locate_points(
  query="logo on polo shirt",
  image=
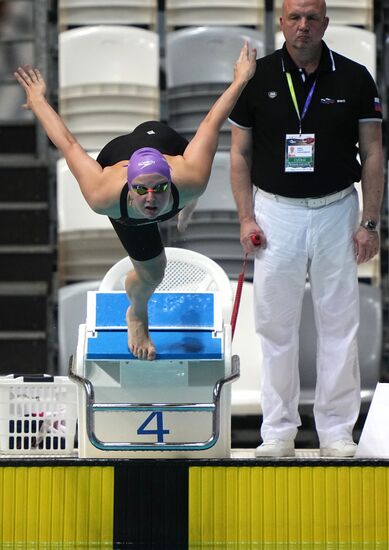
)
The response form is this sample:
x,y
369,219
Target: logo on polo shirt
x,y
377,105
331,101
272,94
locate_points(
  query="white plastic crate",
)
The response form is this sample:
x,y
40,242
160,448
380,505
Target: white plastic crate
x,y
38,414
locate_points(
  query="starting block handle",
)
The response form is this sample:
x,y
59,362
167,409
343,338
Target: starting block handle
x,y
213,408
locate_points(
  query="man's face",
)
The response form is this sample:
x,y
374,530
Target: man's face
x,y
303,23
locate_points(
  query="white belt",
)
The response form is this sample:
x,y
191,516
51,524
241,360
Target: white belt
x,y
310,202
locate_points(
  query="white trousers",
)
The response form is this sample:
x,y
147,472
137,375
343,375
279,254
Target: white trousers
x,y
317,242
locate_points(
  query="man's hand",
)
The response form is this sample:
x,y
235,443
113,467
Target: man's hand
x,y
247,230
366,244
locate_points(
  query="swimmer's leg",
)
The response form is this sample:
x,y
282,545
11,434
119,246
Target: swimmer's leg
x,y
140,285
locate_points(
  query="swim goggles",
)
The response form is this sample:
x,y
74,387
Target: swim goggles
x,y
143,189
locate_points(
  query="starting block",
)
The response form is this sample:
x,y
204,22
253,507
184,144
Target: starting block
x,y
177,406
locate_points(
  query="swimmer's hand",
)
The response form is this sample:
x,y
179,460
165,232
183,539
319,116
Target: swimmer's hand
x,y
33,84
185,216
245,65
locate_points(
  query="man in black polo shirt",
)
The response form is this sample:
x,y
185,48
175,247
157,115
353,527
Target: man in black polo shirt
x,y
295,135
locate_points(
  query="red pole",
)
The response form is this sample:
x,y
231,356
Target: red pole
x,y
256,240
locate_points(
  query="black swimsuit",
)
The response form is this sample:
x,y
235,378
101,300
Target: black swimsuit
x,y
141,237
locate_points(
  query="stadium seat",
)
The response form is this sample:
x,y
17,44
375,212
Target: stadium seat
x,y
97,12
345,12
113,87
193,87
214,229
87,242
357,44
71,313
181,13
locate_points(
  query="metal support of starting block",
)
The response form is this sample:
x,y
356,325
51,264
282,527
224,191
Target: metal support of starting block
x,y
192,367
214,408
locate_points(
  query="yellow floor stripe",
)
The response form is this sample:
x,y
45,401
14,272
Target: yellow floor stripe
x,y
281,507
49,505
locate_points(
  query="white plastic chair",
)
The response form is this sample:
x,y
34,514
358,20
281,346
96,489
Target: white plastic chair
x,y
351,12
357,44
214,229
193,87
218,195
87,242
344,12
72,308
181,13
97,12
186,271
109,81
74,213
212,52
17,48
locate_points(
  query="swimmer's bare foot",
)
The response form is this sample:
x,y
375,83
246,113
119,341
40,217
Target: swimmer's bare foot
x,y
139,341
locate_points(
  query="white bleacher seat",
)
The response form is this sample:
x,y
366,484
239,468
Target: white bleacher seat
x,y
181,13
72,301
212,50
193,87
214,229
186,271
87,242
218,195
357,44
17,20
97,12
74,213
113,87
344,12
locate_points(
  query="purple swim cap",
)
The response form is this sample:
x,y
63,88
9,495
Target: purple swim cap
x,y
147,161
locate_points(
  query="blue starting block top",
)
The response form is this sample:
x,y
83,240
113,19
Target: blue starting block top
x,y
182,326
167,310
112,345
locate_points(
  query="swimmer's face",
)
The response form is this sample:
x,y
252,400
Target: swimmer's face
x,y
150,194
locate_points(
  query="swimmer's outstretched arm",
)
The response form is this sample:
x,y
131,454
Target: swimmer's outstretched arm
x,y
199,154
84,168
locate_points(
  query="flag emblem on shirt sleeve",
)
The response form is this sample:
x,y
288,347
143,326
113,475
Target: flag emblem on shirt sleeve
x,y
377,105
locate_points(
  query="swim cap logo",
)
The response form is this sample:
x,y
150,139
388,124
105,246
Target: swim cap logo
x,y
145,163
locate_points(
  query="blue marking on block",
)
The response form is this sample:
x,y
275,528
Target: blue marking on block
x,y
113,345
166,310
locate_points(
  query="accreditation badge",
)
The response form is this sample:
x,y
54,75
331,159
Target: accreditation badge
x,y
299,152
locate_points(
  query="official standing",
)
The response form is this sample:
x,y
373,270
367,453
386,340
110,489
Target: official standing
x,y
296,132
